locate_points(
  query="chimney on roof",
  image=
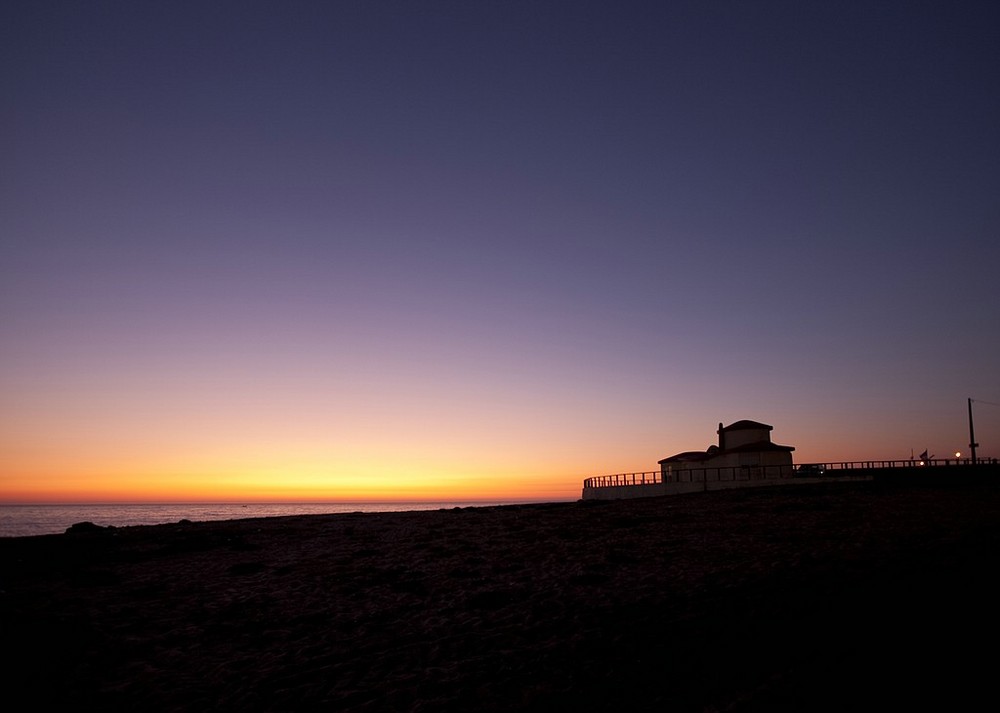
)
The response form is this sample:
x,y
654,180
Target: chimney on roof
x,y
722,437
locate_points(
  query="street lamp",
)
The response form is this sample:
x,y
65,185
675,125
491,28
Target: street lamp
x,y
972,435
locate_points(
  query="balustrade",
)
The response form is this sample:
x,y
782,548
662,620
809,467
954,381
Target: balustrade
x,y
756,472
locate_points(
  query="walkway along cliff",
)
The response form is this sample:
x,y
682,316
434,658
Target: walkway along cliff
x,y
746,457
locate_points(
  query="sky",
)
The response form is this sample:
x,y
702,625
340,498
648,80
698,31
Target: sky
x,y
428,250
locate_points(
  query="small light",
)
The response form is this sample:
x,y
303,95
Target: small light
x,y
958,454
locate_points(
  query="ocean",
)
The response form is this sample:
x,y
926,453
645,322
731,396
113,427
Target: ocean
x,y
28,520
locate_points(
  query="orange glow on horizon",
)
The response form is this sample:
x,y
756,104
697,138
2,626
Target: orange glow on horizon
x,y
284,480
261,456
465,457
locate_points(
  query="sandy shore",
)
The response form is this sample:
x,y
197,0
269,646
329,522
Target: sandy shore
x,y
818,597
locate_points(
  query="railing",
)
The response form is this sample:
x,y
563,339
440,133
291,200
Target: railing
x,y
758,472
607,481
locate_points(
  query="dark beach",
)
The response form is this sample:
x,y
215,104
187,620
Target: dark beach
x,y
861,596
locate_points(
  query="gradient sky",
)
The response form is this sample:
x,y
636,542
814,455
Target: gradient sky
x,y
360,250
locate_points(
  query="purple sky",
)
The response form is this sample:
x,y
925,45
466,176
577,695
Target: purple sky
x,y
566,238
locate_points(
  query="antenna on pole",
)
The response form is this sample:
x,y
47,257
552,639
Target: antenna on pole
x,y
972,435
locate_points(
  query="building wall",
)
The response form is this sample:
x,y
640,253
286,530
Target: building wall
x,y
750,459
737,438
626,492
776,462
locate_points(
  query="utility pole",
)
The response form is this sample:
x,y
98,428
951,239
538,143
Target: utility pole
x,y
972,435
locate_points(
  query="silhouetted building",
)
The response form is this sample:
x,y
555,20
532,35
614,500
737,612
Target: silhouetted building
x,y
744,445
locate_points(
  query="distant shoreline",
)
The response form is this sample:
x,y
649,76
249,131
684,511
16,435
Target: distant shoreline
x,y
25,520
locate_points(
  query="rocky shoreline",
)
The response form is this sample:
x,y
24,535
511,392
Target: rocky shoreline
x,y
818,597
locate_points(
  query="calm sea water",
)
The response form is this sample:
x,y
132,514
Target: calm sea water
x,y
23,520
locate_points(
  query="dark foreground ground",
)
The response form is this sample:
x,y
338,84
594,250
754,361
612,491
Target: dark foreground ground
x,y
807,598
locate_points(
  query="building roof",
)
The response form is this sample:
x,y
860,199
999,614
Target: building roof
x,y
690,456
713,451
745,425
759,446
